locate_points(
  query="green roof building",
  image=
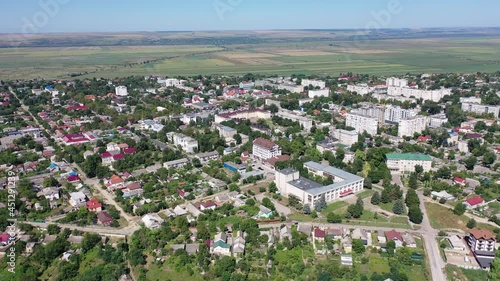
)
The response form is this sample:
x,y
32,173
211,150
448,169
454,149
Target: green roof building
x,y
406,162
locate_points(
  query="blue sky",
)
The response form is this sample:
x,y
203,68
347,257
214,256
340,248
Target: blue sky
x,y
172,15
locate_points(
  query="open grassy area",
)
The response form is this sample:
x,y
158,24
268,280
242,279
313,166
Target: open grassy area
x,y
456,273
379,264
444,218
379,57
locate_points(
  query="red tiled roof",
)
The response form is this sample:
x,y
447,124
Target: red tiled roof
x,y
319,233
104,217
264,143
115,179
129,150
393,235
475,200
133,186
106,155
208,204
459,180
482,234
73,178
272,161
4,237
118,156
93,204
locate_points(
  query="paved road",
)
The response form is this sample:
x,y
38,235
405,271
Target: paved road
x,y
280,208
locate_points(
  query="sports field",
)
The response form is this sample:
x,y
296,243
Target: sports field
x,y
321,57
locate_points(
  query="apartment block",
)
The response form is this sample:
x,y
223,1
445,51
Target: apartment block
x,y
412,125
362,123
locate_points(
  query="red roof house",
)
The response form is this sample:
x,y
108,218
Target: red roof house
x,y
459,181
393,235
424,138
4,239
474,201
73,178
94,205
319,234
118,156
129,150
208,205
103,218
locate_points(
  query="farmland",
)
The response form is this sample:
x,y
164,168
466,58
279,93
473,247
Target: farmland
x,y
265,53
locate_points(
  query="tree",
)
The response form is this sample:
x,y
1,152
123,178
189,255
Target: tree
x,y
413,181
53,229
358,246
390,247
237,138
355,210
333,218
415,215
375,200
321,204
314,214
225,264
470,162
412,198
49,182
419,169
307,209
489,158
398,207
89,241
368,183
459,209
471,223
196,162
272,187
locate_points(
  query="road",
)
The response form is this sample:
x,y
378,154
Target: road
x,y
103,230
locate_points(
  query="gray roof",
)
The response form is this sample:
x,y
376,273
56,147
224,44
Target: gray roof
x,y
347,177
305,184
288,171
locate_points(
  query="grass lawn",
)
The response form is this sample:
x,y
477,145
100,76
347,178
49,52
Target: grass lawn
x,y
300,217
158,273
368,218
461,274
334,207
387,206
444,218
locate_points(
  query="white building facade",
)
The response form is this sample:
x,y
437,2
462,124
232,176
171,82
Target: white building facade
x,y
362,123
264,149
121,91
412,125
406,162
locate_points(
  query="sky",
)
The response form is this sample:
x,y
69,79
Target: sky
x,y
44,16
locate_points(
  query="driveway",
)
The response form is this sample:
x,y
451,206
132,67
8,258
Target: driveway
x,y
280,208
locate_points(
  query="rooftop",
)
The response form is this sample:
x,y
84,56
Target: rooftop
x,y
408,156
305,184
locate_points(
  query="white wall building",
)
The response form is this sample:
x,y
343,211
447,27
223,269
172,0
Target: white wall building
x,y
307,191
437,120
433,95
471,100
396,113
345,137
305,122
412,125
481,108
121,91
396,82
319,93
264,149
406,162
362,123
482,244
188,144
374,111
360,89
314,83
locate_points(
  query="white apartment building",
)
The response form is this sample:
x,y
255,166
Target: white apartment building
x,y
396,82
345,137
319,93
482,244
406,162
432,95
264,149
412,125
307,191
121,91
314,83
481,108
360,89
437,120
188,144
395,114
297,89
362,123
304,121
471,100
374,111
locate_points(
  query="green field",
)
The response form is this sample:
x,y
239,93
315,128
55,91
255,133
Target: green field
x,y
286,56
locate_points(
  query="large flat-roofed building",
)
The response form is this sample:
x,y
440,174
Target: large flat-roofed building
x,y
362,123
289,182
437,120
396,113
406,162
373,111
346,137
412,125
264,149
396,82
314,83
304,121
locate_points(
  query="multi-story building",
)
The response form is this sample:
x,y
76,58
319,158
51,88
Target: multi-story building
x,y
395,113
360,89
437,120
412,125
325,92
481,108
305,122
264,149
362,123
188,144
251,114
432,95
406,162
470,100
307,191
345,137
314,83
396,82
374,111
482,244
121,91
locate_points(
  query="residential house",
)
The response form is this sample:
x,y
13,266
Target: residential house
x,y
132,189
77,199
457,243
264,212
360,234
285,232
5,239
346,260
94,205
474,202
319,234
305,228
152,221
395,236
335,233
459,181
239,244
208,205
409,240
50,193
219,245
103,218
193,210
192,249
